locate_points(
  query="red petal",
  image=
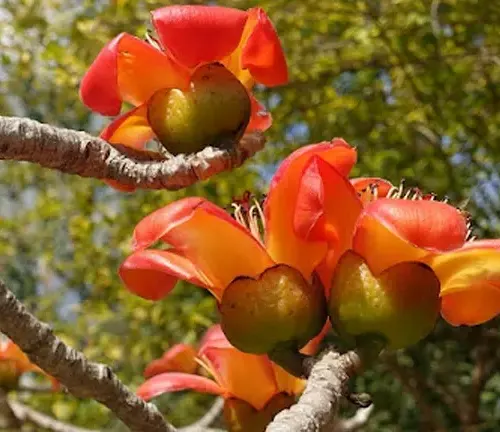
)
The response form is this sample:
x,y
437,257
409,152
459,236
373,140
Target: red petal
x,y
152,274
179,358
128,69
283,244
214,337
393,230
262,53
327,210
199,34
174,381
217,245
260,119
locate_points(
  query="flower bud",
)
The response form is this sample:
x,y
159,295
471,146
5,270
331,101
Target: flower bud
x,y
213,111
401,305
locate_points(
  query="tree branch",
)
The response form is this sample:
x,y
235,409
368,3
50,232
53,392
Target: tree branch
x,y
27,414
208,418
79,153
80,376
357,421
318,405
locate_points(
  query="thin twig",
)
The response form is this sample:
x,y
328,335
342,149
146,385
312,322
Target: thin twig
x,y
318,405
208,418
358,420
27,414
79,153
71,368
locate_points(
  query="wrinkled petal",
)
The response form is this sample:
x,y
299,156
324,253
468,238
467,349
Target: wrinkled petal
x,y
194,35
470,283
260,119
283,244
176,381
152,274
218,246
371,188
390,231
131,70
179,358
259,55
131,129
245,376
288,383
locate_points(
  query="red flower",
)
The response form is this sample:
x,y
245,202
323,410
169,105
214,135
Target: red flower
x,y
131,70
386,226
233,374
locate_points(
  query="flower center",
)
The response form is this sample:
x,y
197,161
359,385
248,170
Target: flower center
x,y
248,213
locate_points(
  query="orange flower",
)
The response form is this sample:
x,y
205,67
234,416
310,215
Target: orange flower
x,y
131,70
247,377
14,363
387,226
209,248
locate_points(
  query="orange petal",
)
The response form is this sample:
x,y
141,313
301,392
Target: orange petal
x,y
260,119
218,246
175,381
470,283
128,69
131,129
199,34
283,244
390,231
327,209
312,347
152,274
288,383
179,358
245,376
259,55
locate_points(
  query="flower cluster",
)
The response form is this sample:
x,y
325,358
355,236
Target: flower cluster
x,y
254,388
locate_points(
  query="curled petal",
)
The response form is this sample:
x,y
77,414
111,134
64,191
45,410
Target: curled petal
x,y
131,129
327,210
390,231
175,381
179,358
194,35
470,284
282,241
245,376
152,274
260,119
261,51
218,246
128,69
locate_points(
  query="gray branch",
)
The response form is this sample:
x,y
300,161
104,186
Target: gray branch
x,y
80,376
317,407
79,153
27,414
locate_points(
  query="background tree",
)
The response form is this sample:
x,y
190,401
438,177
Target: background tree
x,y
412,84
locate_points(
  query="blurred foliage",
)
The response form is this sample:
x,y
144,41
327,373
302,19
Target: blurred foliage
x,y
413,84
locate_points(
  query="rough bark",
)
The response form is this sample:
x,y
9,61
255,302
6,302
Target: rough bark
x,y
79,153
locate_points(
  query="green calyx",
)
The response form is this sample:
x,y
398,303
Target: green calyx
x,y
395,309
213,111
279,312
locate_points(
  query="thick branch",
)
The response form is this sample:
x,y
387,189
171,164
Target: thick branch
x,y
318,405
82,154
80,376
27,414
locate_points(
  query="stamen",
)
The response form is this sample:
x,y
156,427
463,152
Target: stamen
x,y
152,40
251,217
